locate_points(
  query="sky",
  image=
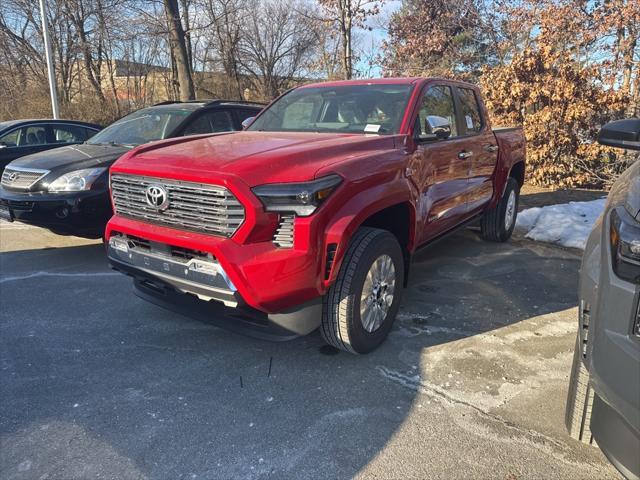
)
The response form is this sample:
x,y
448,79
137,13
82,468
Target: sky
x,y
371,41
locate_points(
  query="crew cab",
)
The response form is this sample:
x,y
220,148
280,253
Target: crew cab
x,y
309,217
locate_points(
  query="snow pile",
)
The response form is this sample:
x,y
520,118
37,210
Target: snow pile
x,y
567,224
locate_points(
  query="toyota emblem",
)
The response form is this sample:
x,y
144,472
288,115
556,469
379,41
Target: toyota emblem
x,y
157,197
13,176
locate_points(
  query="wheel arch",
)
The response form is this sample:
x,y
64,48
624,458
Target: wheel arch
x,y
517,172
397,217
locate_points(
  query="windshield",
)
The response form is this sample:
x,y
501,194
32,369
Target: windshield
x,y
140,127
374,108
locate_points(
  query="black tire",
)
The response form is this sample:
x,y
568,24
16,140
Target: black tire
x,y
492,224
579,400
342,326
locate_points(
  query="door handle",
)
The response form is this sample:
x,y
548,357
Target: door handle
x,y
462,155
491,148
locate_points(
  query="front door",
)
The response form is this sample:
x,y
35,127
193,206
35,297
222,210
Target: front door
x,y
23,141
439,168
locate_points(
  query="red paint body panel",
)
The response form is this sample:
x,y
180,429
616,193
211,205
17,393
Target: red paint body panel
x,y
439,190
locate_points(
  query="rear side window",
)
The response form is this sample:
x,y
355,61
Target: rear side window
x,y
470,110
210,122
36,135
89,132
68,134
244,114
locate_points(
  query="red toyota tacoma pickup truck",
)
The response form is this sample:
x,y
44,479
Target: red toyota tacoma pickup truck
x,y
309,217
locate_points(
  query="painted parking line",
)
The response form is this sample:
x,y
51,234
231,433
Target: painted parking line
x,y
4,279
4,225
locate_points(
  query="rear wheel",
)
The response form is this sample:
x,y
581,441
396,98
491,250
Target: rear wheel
x,y
360,307
498,223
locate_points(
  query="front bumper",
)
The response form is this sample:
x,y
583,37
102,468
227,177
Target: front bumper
x,y
74,213
200,288
616,438
611,352
267,278
200,276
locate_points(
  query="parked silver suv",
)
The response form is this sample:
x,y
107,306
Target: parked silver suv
x,y
604,394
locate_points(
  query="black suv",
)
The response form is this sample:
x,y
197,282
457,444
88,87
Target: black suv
x,y
67,189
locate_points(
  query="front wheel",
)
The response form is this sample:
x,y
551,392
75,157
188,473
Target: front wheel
x,y
360,307
498,223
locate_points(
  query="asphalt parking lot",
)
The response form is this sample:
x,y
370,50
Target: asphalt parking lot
x,y
472,382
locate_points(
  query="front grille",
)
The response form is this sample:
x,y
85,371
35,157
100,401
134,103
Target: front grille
x,y
21,178
190,206
284,233
176,253
137,242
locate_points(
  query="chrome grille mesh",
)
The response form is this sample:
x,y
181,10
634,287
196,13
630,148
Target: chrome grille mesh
x,y
191,206
13,177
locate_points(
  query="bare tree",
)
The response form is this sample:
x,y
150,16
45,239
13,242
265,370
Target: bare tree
x,y
179,51
277,45
225,22
347,15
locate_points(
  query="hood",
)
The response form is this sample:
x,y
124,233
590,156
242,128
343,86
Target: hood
x,y
255,157
72,157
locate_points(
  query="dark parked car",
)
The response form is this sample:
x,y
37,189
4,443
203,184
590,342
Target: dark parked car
x,y
24,137
604,393
67,189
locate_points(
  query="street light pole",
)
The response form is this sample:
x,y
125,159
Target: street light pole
x,y
47,50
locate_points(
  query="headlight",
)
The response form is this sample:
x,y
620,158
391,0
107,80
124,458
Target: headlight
x,y
76,181
299,198
624,235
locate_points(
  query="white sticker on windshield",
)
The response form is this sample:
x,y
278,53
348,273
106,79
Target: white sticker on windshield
x,y
371,128
469,122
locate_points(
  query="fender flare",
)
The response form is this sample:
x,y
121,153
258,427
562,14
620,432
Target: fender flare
x,y
354,213
505,164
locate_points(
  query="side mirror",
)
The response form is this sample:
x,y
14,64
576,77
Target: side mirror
x,y
621,134
247,121
437,128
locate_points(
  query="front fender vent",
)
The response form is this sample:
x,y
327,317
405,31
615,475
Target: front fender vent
x,y
331,255
283,237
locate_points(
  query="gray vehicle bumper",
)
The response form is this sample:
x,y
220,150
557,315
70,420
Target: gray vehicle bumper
x,y
609,310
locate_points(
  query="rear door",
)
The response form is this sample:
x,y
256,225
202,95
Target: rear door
x,y
439,167
481,146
